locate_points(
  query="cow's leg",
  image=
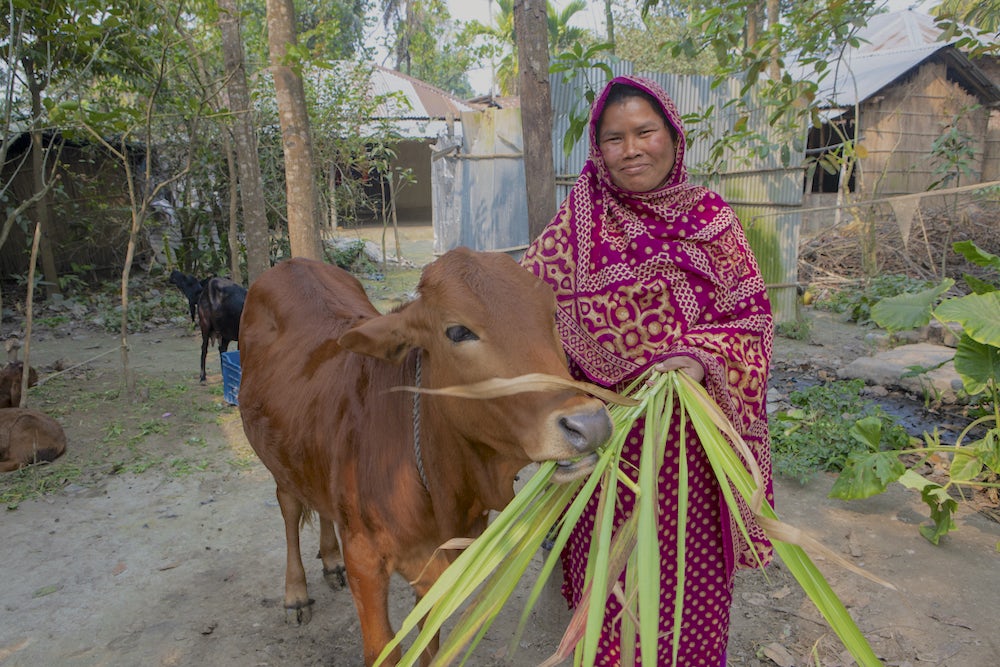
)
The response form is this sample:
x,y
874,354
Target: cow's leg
x,y
329,550
298,606
422,579
368,573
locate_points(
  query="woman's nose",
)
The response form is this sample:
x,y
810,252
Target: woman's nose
x,y
631,146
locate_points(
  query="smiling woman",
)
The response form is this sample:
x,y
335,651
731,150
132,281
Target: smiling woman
x,y
653,272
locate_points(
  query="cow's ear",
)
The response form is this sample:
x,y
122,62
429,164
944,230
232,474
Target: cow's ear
x,y
383,337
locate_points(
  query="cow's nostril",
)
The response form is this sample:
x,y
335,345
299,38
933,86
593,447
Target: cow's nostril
x,y
587,430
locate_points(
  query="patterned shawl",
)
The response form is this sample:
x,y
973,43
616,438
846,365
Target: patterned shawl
x,y
640,277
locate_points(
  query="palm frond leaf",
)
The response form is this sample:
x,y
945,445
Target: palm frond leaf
x,y
485,575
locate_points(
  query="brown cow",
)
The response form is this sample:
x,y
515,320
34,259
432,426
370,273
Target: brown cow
x,y
318,362
27,437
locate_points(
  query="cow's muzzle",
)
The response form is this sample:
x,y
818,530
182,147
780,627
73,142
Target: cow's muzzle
x,y
585,432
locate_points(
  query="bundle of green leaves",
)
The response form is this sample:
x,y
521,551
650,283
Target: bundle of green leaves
x,y
482,579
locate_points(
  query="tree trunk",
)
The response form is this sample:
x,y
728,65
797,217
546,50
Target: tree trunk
x,y
251,192
49,270
609,20
300,186
752,33
235,272
531,30
773,17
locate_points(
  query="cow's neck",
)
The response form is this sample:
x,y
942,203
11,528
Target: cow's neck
x,y
478,480
464,480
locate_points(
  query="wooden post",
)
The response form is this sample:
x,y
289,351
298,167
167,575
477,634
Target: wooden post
x,y
531,29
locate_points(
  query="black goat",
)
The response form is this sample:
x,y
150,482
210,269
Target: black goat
x,y
191,287
219,309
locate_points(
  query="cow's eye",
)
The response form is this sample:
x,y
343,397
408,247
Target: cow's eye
x,y
459,334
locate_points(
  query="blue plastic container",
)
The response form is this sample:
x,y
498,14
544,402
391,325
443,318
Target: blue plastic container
x,y
231,375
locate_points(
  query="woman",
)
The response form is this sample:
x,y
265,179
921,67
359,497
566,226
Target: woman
x,y
650,270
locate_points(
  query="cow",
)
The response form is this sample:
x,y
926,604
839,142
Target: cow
x,y
191,287
27,437
10,383
391,477
220,306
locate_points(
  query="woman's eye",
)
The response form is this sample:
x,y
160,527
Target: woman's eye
x,y
459,334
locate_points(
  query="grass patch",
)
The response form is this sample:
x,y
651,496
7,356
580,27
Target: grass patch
x,y
796,330
35,481
815,434
175,430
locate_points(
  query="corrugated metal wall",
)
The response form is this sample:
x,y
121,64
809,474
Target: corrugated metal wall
x,y
479,190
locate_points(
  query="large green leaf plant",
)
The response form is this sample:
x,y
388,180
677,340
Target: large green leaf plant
x,y
971,464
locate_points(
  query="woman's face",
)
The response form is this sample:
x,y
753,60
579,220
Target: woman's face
x,y
637,145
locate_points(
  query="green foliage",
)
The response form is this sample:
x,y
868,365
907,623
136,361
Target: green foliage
x,y
644,41
579,61
977,362
953,153
817,433
858,300
797,329
972,24
429,48
351,258
485,575
910,309
811,30
501,46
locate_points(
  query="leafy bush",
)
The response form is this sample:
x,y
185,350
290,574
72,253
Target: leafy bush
x,y
147,300
350,257
797,329
815,435
857,301
975,464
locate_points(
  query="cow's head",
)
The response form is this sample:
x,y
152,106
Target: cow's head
x,y
480,316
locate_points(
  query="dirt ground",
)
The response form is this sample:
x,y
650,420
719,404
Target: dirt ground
x,y
160,542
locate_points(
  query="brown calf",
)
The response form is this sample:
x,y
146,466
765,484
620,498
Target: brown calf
x,y
10,383
28,436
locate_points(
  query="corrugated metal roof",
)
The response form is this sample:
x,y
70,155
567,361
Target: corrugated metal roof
x,y
413,99
892,45
858,76
899,30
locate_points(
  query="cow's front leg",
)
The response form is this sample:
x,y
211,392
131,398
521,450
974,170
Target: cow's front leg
x,y
422,577
368,573
298,606
329,550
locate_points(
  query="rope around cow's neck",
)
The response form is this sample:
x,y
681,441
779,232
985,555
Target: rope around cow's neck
x,y
416,427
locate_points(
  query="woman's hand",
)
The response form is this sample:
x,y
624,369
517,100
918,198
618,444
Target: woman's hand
x,y
689,365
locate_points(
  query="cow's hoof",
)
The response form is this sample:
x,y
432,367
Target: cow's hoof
x,y
299,615
335,578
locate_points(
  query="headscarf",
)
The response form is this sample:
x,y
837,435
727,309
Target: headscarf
x,y
643,276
